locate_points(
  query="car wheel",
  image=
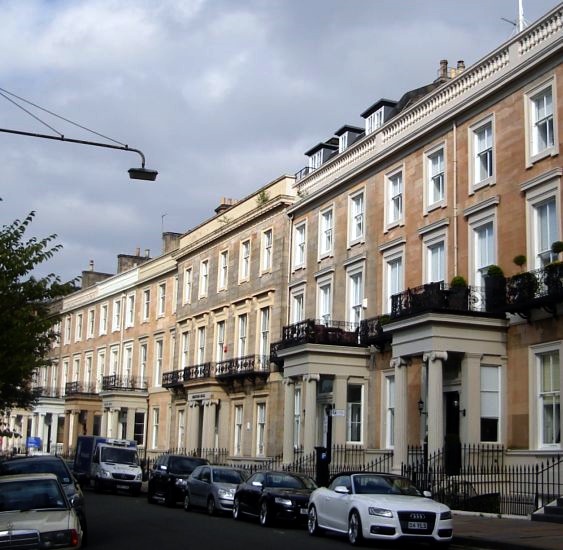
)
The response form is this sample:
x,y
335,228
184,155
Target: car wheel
x,y
312,522
187,503
97,485
211,508
236,509
264,517
355,536
169,499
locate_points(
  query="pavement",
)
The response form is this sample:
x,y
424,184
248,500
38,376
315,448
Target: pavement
x,y
508,533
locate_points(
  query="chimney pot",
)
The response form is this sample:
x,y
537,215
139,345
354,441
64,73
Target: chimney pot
x,y
147,253
443,68
91,264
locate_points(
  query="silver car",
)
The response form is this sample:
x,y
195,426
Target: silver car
x,y
213,488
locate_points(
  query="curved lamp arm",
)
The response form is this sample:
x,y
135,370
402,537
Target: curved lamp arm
x,y
134,173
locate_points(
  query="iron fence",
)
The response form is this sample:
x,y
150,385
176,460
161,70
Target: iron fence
x,y
484,483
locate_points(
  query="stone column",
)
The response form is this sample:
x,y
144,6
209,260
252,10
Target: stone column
x,y
41,431
193,425
73,428
209,417
400,447
340,392
288,412
310,382
470,398
435,400
104,427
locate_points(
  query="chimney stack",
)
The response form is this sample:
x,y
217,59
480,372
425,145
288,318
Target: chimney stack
x,y
91,265
443,72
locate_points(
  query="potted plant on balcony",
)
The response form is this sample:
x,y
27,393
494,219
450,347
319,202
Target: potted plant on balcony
x,y
458,295
495,289
522,287
554,271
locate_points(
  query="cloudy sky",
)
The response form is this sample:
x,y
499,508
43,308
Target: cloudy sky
x,y
222,96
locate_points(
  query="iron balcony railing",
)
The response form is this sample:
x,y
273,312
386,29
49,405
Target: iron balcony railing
x,y
172,378
80,388
242,366
124,383
45,391
193,372
538,288
315,331
197,372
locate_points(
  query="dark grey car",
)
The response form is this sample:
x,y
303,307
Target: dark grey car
x,y
48,464
213,488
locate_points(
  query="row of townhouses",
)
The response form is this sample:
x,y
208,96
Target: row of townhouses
x,y
353,302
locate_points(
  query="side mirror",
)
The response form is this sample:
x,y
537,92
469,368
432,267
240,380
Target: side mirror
x,y
257,483
427,494
341,489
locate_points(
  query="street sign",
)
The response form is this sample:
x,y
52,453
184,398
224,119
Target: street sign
x,y
337,412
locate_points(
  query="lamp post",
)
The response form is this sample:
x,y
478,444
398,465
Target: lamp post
x,y
141,173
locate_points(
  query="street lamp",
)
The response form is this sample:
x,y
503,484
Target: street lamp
x,y
141,173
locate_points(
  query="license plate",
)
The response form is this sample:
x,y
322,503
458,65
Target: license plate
x,y
417,525
303,511
122,486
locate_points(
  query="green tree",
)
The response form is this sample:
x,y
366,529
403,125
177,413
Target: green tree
x,y
27,315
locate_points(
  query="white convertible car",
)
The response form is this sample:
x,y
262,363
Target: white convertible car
x,y
378,506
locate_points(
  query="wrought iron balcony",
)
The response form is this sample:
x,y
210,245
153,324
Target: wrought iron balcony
x,y
80,388
197,372
124,383
44,391
372,334
314,331
303,173
540,288
194,372
172,378
248,365
436,297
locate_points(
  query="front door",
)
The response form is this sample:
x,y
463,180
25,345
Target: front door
x,y
452,443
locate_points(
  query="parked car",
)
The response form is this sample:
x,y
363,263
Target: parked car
x,y
378,506
274,495
35,513
168,477
213,487
49,464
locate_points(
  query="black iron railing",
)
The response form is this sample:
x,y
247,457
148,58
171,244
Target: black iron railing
x,y
372,332
172,378
77,388
46,391
195,372
124,383
482,482
240,366
315,331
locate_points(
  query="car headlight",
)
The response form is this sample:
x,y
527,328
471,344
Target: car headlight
x,y
446,515
372,511
180,482
283,501
226,493
106,474
59,539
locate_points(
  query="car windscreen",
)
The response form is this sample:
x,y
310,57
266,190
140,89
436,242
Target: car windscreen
x,y
31,494
184,465
287,481
366,484
37,466
227,476
119,455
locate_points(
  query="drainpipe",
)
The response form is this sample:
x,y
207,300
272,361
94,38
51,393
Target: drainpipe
x,y
455,236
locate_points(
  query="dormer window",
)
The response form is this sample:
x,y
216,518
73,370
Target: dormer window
x,y
342,142
316,160
374,121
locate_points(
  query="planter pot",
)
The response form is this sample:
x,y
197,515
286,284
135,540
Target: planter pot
x,y
458,298
554,279
522,288
495,294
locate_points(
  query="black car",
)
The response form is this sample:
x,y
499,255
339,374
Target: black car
x,y
274,496
49,464
167,479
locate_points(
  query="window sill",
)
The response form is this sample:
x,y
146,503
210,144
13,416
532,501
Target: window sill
x,y
551,152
